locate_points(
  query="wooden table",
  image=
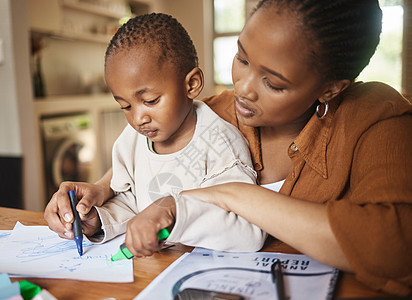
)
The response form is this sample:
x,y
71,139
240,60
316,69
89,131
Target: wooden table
x,y
146,269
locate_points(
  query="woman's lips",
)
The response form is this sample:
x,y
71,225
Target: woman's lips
x,y
243,110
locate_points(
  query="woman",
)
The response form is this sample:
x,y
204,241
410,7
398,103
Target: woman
x,y
339,151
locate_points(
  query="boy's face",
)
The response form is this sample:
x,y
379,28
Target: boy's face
x,y
154,97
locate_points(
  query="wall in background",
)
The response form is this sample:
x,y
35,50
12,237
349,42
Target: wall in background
x,y
17,126
9,121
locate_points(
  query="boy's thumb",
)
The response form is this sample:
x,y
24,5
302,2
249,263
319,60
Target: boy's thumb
x,y
83,208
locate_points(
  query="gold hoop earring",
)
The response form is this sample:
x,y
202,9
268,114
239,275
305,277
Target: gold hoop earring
x,y
325,112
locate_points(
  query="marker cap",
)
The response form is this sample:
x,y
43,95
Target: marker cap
x,y
163,234
123,253
28,290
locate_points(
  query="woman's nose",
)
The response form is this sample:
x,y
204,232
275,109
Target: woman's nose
x,y
246,87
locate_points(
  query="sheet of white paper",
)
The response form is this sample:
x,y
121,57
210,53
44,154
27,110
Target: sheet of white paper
x,y
247,274
36,251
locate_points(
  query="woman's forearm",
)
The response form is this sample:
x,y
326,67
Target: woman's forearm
x,y
302,224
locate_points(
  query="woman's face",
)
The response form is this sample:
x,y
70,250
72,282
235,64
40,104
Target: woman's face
x,y
272,76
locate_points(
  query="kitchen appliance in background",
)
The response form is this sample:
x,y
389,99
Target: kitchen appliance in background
x,y
69,150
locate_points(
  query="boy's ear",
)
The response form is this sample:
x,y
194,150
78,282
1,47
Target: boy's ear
x,y
333,89
194,83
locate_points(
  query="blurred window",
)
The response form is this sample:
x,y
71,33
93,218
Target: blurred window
x,y
229,19
229,16
386,63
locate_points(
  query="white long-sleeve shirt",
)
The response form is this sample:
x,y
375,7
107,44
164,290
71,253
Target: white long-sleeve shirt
x,y
216,154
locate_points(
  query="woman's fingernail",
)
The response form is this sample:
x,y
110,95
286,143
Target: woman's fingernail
x,y
67,217
68,234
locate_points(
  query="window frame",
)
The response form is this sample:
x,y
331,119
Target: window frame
x,y
216,35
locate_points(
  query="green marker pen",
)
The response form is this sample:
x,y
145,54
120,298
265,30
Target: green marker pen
x,y
124,253
28,290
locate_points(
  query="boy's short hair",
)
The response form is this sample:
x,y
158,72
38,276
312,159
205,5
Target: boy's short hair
x,y
160,32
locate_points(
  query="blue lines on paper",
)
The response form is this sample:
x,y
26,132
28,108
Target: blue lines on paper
x,y
4,234
38,249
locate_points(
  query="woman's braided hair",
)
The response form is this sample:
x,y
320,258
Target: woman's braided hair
x,y
160,33
343,34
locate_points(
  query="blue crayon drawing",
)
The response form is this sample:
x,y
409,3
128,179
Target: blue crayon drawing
x,y
4,234
38,249
69,267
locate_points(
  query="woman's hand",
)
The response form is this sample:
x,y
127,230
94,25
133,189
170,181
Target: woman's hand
x,y
141,235
58,212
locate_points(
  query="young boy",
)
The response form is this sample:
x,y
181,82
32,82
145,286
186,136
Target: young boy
x,y
172,142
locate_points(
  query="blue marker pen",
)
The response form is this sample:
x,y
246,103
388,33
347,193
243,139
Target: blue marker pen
x,y
77,226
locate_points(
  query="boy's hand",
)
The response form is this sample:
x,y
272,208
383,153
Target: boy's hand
x,y
59,215
141,235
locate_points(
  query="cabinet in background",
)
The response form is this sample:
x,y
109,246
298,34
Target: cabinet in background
x,y
77,19
44,15
69,39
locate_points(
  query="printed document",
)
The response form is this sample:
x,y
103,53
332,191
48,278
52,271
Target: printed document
x,y
247,274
